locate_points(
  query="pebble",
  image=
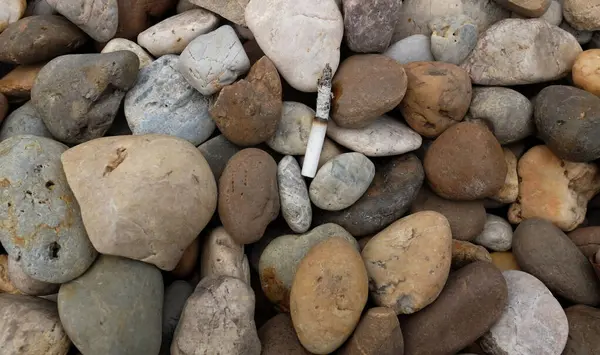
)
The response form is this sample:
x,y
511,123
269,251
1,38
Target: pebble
x,y
527,8
437,97
222,256
553,189
218,318
187,263
466,162
582,14
115,299
293,129
122,44
330,150
6,285
384,137
328,295
11,12
510,190
78,95
415,48
30,325
24,120
16,85
368,27
137,15
36,39
340,182
584,71
185,5
176,294
248,195
38,7
584,326
99,19
293,195
508,113
467,218
587,240
554,14
504,260
42,226
217,151
452,38
472,300
3,107
544,251
213,60
464,253
533,321
525,58
408,262
377,333
247,112
317,28
365,87
150,170
581,36
173,34
278,337
232,10
26,284
162,102
496,235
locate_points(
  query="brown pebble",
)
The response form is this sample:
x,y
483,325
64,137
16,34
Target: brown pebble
x,y
188,261
587,239
17,84
277,337
464,253
505,260
378,333
137,15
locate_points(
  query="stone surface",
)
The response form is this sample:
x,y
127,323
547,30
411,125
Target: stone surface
x,y
3,107
466,162
293,129
232,10
384,137
293,195
6,285
11,12
365,87
452,38
39,38
464,253
39,7
16,85
222,256
582,14
30,325
99,19
533,321
504,260
114,300
248,195
527,8
437,97
26,284
395,185
473,299
78,95
330,150
581,36
278,337
584,325
584,71
122,44
169,181
500,58
328,295
218,319
213,60
508,113
377,333
415,48
587,239
317,28
248,111
369,26
553,189
187,263
467,218
173,34
340,182
280,259
24,120
218,151
496,235
41,223
544,251
162,102
176,294
408,262
554,14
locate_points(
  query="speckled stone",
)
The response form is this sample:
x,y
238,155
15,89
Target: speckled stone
x,y
99,19
293,194
452,38
369,26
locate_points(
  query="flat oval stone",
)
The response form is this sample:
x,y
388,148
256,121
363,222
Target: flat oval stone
x,y
415,48
11,12
162,102
42,226
173,34
526,7
409,261
377,333
293,194
278,337
460,315
99,19
122,44
340,182
217,151
452,38
533,321
175,297
39,38
584,325
544,251
26,284
496,235
115,299
328,295
368,27
222,256
24,120
293,129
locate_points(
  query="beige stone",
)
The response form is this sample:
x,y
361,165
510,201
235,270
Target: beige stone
x,y
510,190
221,255
505,260
6,286
464,253
122,44
583,15
585,71
528,8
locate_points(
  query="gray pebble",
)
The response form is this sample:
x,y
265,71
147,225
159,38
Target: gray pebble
x,y
293,194
39,7
114,308
26,283
452,38
341,181
42,226
214,60
416,48
508,112
162,102
217,151
497,234
24,120
291,136
582,37
175,297
98,18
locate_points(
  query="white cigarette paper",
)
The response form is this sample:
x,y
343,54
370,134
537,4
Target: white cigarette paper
x,y
319,126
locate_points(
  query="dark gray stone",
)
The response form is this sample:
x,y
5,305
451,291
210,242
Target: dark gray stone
x,y
369,25
217,152
175,297
24,120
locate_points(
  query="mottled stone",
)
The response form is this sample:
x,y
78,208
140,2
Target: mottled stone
x,y
232,10
24,120
293,129
16,85
464,253
377,333
278,337
452,38
369,26
582,14
217,151
122,44
584,326
293,194
222,256
584,71
26,284
415,48
330,150
175,297
99,19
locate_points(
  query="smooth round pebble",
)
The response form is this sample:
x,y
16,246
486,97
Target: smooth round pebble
x,y
278,337
452,38
222,256
293,195
415,48
22,121
584,71
377,333
26,284
293,129
496,235
98,18
584,326
217,151
122,44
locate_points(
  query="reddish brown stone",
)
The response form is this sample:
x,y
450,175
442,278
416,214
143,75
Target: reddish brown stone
x,y
188,260
587,239
277,337
378,333
17,84
137,15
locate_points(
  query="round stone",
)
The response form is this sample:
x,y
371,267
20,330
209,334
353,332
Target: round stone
x,y
496,235
293,129
24,121
415,48
584,71
452,38
122,44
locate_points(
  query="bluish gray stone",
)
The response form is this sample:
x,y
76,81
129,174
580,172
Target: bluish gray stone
x,y
452,38
217,151
293,195
24,120
416,48
162,102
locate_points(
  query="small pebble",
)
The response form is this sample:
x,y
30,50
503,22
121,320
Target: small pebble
x,y
377,333
584,71
368,27
217,151
496,235
293,194
222,256
99,19
16,85
24,120
465,253
415,48
510,191
122,44
293,129
452,38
